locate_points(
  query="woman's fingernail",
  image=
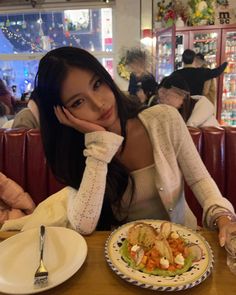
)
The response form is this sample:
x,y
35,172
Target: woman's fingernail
x,y
222,241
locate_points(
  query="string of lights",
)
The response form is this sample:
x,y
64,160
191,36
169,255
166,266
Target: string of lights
x,y
19,38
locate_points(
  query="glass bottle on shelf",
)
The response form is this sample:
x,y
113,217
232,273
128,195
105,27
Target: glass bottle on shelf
x,y
224,114
233,113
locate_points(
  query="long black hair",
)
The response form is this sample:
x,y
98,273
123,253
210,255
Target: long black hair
x,y
3,110
64,145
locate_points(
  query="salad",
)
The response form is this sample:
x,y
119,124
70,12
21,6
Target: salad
x,y
162,253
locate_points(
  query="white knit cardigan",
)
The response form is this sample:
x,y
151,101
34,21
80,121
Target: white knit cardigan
x,y
175,156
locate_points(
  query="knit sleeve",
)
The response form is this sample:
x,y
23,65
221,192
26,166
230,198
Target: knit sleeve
x,y
85,204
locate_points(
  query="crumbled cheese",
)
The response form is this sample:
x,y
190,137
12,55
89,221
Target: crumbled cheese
x,y
174,235
139,253
179,259
164,262
135,248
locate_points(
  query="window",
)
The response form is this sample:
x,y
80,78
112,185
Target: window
x,y
25,38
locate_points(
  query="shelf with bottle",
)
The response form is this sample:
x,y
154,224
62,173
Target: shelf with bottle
x,y
231,68
164,59
210,54
230,54
229,91
163,55
230,46
230,75
208,40
205,47
228,114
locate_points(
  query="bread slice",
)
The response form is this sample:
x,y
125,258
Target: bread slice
x,y
142,234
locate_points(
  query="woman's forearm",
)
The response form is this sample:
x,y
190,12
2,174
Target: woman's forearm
x,y
85,204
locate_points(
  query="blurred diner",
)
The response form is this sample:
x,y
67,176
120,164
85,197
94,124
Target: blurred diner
x,y
28,117
196,110
7,98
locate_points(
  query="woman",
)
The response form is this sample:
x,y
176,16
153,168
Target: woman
x,y
197,110
122,163
7,98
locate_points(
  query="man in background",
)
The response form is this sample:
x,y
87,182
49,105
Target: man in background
x,y
196,77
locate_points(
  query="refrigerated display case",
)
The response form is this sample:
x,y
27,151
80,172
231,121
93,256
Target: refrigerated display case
x,y
207,43
227,105
205,40
165,49
217,44
181,43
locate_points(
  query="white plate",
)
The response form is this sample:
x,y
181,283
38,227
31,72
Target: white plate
x,y
64,252
198,272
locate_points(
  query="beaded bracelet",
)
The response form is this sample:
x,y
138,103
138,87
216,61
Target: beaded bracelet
x,y
230,217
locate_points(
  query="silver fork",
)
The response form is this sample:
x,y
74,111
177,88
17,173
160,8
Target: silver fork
x,y
41,274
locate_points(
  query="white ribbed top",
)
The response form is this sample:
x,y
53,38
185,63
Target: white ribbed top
x,y
146,202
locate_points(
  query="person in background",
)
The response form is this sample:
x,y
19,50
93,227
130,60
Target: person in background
x,y
196,77
149,91
121,162
197,111
209,89
137,61
7,98
28,117
3,114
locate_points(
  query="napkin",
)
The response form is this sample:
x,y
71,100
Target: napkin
x,y
50,212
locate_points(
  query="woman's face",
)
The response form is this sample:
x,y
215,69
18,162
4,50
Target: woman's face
x,y
173,96
88,98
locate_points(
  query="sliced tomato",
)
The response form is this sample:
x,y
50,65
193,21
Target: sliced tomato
x,y
150,265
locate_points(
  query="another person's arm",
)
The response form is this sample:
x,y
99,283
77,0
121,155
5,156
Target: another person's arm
x,y
213,73
209,90
14,201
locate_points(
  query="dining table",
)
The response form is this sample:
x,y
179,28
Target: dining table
x,y
95,277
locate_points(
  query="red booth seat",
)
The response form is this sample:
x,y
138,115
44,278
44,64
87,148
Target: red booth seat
x,y
22,159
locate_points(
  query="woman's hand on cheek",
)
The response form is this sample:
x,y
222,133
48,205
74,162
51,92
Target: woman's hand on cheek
x,y
66,118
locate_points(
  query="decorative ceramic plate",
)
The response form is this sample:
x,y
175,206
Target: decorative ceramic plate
x,y
197,273
65,251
